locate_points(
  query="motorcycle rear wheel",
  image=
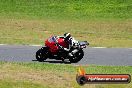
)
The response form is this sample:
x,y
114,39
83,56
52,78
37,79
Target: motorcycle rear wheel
x,y
41,54
77,57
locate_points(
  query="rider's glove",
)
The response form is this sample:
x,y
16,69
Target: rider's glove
x,y
60,46
66,49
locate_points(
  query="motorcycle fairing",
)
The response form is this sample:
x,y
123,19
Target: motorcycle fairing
x,y
51,43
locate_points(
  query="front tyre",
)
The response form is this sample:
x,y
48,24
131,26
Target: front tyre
x,y
77,57
41,55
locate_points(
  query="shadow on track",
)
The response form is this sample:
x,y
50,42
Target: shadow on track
x,y
55,62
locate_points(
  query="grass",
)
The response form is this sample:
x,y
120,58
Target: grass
x,y
69,9
98,33
105,23
42,75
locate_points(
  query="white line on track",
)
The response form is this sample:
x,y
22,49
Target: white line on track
x,y
2,44
91,47
35,45
42,45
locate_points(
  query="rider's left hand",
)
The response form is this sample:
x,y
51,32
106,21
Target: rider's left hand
x,y
66,49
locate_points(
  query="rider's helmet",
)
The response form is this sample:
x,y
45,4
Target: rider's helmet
x,y
67,36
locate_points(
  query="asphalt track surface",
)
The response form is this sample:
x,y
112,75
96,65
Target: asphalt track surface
x,y
96,56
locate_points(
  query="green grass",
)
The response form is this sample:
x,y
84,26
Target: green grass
x,y
98,33
67,9
42,75
101,22
10,83
105,23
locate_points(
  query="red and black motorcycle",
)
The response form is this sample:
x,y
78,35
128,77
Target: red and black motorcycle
x,y
52,50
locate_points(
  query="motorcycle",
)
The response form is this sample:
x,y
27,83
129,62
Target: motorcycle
x,y
52,50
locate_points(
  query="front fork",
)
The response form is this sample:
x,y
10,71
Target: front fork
x,y
74,51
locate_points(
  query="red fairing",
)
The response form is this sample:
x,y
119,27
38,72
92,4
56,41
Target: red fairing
x,y
52,45
63,43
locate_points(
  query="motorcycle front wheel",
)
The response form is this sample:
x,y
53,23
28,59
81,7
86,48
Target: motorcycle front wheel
x,y
41,54
77,57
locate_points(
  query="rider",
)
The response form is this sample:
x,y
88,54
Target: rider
x,y
71,41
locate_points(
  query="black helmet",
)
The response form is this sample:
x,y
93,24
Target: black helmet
x,y
67,36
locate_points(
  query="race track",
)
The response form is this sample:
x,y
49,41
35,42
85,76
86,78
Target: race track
x,y
97,56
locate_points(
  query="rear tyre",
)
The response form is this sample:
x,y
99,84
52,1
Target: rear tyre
x,y
77,57
42,54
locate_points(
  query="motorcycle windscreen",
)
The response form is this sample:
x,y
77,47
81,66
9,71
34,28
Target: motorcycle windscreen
x,y
50,42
